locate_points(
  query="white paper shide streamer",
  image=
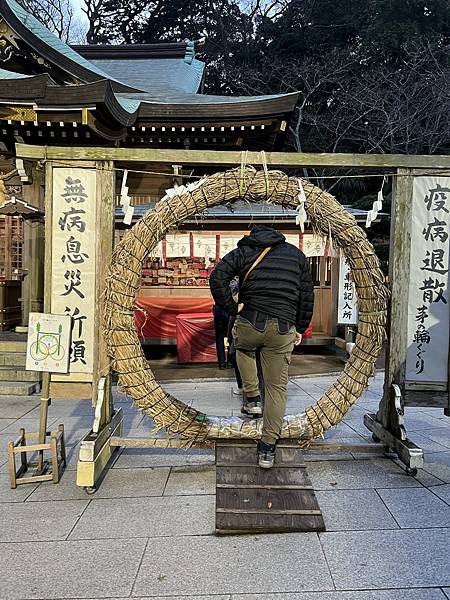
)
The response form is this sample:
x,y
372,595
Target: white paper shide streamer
x,y
301,217
127,209
377,206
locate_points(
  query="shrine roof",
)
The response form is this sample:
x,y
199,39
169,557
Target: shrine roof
x,y
154,68
46,43
4,74
114,90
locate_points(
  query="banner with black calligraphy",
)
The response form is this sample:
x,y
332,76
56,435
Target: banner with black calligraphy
x,y
73,259
347,298
428,306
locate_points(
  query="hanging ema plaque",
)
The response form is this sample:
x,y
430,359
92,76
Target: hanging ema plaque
x,y
428,297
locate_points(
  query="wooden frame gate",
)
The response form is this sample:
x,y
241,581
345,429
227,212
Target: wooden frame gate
x,y
387,425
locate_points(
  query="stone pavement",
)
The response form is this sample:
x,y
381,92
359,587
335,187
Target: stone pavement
x,y
148,531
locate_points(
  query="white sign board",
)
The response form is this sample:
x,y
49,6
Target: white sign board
x,y
48,343
428,295
74,259
347,298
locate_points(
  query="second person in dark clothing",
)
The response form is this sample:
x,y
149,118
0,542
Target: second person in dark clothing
x,y
276,301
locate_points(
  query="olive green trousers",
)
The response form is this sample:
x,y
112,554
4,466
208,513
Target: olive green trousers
x,y
276,350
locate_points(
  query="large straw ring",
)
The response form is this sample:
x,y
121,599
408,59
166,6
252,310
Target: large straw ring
x,y
326,216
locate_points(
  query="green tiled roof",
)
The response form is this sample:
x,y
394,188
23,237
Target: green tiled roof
x,y
179,97
158,76
128,104
11,75
33,25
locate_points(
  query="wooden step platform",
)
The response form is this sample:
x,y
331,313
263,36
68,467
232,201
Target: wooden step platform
x,y
254,500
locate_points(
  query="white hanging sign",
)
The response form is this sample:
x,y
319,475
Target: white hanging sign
x,y
428,294
314,245
347,298
48,344
228,243
157,251
178,245
205,246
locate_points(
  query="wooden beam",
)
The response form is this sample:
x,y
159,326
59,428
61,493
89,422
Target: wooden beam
x,y
231,158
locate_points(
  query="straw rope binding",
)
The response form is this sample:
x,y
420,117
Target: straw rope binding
x,y
326,215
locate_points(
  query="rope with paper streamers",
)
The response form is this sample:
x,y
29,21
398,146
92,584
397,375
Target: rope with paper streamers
x,y
327,218
377,206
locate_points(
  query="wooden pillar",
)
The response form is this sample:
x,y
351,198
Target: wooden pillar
x,y
104,246
33,250
399,255
8,248
33,265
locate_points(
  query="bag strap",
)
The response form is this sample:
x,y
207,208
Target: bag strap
x,y
256,263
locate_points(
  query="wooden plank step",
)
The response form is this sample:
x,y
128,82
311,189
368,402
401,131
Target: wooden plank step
x,y
254,500
246,456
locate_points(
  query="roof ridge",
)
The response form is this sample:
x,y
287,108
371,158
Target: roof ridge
x,y
184,50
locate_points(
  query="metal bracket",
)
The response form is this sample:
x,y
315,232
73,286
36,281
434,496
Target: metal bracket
x,y
409,454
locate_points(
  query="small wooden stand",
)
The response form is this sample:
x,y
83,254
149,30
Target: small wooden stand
x,y
254,500
45,470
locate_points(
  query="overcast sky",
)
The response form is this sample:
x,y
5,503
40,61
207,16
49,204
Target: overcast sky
x,y
77,4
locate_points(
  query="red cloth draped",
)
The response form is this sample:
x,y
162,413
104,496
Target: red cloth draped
x,y
196,341
157,317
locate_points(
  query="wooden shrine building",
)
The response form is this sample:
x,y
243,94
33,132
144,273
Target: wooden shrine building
x,y
142,96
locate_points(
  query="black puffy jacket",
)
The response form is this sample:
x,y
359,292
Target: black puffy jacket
x,y
279,286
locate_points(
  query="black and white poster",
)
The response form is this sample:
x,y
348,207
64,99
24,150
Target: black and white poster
x,y
428,296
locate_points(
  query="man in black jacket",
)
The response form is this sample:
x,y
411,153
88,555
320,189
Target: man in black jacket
x,y
275,308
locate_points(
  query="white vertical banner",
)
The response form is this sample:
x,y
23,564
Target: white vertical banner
x,y
428,294
74,259
347,298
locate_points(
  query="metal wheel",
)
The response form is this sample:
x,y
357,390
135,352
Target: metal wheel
x,y
90,490
412,472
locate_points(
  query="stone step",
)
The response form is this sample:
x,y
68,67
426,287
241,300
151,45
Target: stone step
x,y
18,388
13,346
12,359
8,373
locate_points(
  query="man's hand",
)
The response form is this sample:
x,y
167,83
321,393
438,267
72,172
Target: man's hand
x,y
298,338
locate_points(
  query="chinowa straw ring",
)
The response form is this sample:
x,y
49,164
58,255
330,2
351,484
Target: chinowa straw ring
x,y
326,216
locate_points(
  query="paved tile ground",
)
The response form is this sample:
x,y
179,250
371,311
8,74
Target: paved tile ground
x,y
148,531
